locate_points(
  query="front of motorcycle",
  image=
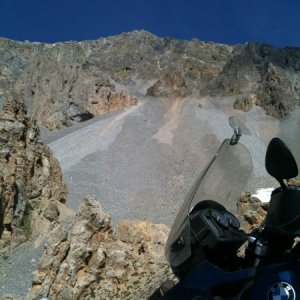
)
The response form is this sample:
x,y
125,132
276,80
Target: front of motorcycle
x,y
205,236
204,240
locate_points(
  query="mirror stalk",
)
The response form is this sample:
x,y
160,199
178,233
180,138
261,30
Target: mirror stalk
x,y
282,184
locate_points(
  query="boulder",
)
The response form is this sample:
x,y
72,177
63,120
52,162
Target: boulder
x,y
251,212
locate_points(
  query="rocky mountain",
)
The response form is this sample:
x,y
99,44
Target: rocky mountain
x,y
66,83
134,119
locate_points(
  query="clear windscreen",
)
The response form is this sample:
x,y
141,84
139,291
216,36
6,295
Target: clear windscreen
x,y
223,180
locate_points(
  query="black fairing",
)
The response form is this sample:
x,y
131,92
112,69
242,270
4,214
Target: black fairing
x,y
284,211
280,162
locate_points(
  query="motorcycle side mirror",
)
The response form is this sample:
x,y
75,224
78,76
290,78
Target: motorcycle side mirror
x,y
237,132
280,162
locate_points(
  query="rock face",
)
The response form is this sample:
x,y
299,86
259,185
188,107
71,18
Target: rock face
x,y
276,93
66,83
59,87
171,84
92,263
31,183
261,75
64,100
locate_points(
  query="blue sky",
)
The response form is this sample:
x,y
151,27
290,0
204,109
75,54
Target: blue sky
x,y
275,22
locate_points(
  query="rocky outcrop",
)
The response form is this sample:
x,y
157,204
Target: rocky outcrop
x,y
58,83
90,262
275,95
245,102
69,94
106,98
251,211
269,74
171,84
31,186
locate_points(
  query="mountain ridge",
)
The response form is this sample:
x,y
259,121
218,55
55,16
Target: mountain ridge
x,y
60,82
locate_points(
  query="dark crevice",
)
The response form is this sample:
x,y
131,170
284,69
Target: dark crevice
x,y
83,117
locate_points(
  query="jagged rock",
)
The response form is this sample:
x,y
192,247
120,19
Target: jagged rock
x,y
61,87
275,95
80,97
30,177
91,262
244,102
251,211
263,71
106,98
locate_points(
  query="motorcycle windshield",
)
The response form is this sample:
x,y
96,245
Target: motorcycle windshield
x,y
223,180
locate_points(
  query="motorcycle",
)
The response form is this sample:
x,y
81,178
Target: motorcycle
x,y
205,237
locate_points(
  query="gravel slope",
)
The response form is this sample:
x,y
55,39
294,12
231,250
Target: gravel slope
x,y
142,161
16,269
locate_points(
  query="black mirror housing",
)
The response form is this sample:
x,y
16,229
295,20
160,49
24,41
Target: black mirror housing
x,y
280,162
